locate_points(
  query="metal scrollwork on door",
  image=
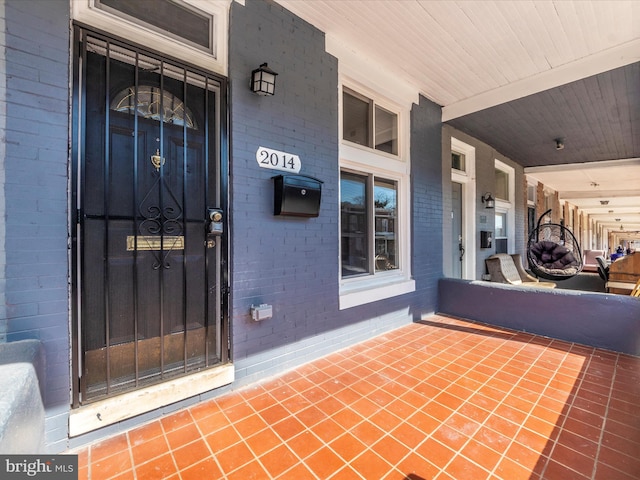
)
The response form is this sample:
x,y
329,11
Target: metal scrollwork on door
x,y
160,221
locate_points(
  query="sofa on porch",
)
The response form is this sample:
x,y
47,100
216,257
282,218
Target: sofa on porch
x,y
505,268
589,260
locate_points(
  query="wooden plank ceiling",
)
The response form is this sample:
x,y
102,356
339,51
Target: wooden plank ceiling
x,y
516,75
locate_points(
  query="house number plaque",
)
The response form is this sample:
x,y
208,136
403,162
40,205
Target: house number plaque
x,y
276,160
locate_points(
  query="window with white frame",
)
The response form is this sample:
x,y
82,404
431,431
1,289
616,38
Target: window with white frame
x,y
374,200
502,185
368,124
504,209
359,195
192,30
458,162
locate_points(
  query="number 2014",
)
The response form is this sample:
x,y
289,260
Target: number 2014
x,y
276,159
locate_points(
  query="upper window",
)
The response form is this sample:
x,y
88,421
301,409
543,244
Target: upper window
x,y
458,161
177,19
367,124
502,185
531,193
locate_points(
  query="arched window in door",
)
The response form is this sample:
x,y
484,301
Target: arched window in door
x,y
155,104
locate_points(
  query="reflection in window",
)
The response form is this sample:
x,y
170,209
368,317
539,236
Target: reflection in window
x,y
367,124
355,124
501,233
386,131
501,225
385,195
353,217
368,246
154,104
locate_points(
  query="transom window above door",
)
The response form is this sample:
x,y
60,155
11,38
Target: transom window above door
x,y
175,18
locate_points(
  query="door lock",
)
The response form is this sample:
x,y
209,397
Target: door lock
x,y
215,227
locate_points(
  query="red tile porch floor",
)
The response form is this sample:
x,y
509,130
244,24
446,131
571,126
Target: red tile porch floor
x,y
443,399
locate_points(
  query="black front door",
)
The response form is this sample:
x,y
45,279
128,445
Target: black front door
x,y
150,252
456,230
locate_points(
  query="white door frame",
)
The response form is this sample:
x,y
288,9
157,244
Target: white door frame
x,y
468,181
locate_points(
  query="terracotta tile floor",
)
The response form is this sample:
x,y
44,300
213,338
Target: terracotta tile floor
x,y
443,399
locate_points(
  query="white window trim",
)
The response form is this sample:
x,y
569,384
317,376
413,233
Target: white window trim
x,y
86,12
365,289
532,183
468,181
507,207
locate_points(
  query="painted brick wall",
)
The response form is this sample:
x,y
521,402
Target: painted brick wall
x,y
3,150
35,168
292,263
427,198
283,261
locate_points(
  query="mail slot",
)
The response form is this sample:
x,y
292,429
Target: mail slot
x,y
297,195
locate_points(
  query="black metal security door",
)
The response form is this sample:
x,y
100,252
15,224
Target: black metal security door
x,y
151,236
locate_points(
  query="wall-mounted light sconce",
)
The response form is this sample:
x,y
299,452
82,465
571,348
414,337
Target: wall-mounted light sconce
x,y
559,143
488,200
263,80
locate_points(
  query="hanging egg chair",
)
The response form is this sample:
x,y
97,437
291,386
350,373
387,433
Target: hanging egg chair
x,y
553,252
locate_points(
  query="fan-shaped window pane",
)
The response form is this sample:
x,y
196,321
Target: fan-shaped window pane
x,y
155,104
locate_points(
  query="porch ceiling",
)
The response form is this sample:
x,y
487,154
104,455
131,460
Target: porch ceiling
x,y
517,75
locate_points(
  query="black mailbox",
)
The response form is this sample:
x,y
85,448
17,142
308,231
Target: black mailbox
x,y
485,238
297,195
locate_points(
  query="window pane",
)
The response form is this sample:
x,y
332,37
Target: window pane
x,y
353,223
386,131
501,225
502,185
458,161
355,120
385,195
531,193
501,245
182,21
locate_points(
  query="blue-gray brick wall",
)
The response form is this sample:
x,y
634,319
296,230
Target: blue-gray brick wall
x,y
292,263
35,190
426,204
